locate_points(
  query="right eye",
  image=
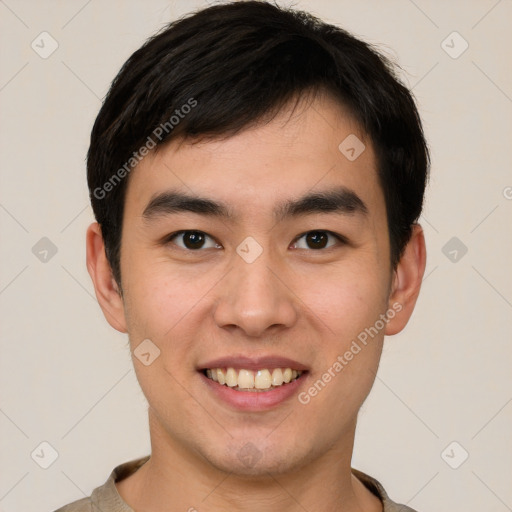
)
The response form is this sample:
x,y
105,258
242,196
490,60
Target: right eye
x,y
193,240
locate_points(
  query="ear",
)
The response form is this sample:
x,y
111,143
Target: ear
x,y
107,291
407,280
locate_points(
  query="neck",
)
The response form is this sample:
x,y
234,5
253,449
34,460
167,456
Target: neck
x,y
176,475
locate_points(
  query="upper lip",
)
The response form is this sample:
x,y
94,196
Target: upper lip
x,y
253,363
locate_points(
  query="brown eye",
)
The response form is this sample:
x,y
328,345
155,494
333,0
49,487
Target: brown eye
x,y
318,240
193,240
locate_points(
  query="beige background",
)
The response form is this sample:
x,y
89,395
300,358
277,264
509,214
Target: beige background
x,y
66,377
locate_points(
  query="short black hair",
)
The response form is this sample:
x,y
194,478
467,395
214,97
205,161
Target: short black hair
x,y
219,70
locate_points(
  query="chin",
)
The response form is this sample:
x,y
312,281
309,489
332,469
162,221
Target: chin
x,y
252,459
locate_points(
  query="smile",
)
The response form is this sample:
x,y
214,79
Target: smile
x,y
255,381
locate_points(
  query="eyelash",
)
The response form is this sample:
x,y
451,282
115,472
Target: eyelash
x,y
340,238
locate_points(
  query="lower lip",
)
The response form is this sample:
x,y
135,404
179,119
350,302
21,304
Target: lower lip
x,y
254,400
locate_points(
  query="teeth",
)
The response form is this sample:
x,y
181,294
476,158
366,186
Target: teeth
x,y
245,379
277,377
263,379
221,377
231,378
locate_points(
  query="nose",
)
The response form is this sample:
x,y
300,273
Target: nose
x,y
255,298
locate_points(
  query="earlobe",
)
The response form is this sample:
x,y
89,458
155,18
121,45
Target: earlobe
x,y
407,280
105,287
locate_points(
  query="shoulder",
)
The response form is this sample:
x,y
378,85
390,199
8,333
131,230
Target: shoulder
x,y
377,488
105,498
83,505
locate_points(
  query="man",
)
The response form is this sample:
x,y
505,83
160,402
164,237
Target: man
x,y
256,175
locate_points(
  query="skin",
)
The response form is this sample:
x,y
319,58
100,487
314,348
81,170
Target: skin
x,y
294,301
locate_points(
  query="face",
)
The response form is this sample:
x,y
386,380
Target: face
x,y
259,253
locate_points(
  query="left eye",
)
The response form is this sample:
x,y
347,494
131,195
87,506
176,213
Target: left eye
x,y
193,240
316,240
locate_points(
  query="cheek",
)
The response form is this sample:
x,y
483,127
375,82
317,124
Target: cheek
x,y
162,307
350,302
168,306
159,295
348,298
350,349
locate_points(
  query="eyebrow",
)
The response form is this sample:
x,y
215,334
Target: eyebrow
x,y
340,200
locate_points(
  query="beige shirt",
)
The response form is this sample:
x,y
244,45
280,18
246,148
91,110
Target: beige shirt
x,y
106,498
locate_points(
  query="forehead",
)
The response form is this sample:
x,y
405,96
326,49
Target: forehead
x,y
315,146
